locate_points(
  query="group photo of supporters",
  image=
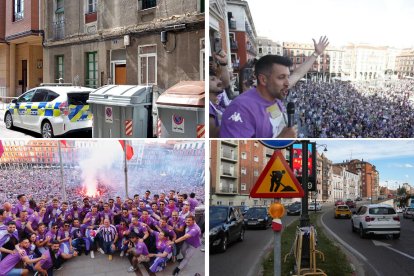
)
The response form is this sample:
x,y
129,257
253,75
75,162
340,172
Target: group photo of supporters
x,y
152,217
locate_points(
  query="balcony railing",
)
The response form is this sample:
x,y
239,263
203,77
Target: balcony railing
x,y
59,29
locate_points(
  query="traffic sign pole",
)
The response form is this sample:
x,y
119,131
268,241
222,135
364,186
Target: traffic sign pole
x,y
304,219
277,211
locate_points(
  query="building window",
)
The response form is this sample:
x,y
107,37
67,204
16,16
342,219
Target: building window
x,y
18,10
243,187
256,159
91,6
244,171
147,64
256,173
147,4
59,20
230,203
91,79
218,202
59,68
244,155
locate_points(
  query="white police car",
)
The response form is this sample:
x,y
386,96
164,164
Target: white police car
x,y
51,110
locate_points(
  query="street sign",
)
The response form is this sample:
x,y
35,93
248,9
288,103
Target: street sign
x,y
277,180
277,144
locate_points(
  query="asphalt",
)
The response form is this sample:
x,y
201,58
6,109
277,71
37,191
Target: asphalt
x,y
101,266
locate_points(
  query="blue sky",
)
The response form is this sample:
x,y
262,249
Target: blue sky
x,y
394,159
378,22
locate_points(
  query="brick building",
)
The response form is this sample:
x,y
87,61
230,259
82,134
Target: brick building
x,y
24,154
242,34
159,42
21,55
369,184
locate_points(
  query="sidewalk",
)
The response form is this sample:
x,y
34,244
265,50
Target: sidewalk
x,y
101,266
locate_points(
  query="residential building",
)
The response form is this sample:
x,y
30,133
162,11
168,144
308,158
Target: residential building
x,y
328,65
145,42
21,54
266,46
235,166
369,63
26,154
405,64
369,177
219,29
242,33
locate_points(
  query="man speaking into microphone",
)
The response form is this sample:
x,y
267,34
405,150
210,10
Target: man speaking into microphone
x,y
259,112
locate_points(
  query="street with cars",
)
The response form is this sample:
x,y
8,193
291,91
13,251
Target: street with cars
x,y
391,253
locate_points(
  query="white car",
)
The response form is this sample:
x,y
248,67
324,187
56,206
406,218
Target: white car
x,y
51,110
311,206
376,219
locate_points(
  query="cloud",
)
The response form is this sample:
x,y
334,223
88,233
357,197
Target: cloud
x,y
408,166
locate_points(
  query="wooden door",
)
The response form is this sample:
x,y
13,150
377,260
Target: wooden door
x,y
120,74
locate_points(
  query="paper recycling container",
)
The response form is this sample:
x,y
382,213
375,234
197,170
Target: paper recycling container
x,y
121,111
181,111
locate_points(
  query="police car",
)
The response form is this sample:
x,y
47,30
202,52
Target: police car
x,y
52,109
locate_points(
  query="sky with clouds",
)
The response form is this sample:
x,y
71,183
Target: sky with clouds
x,y
378,22
394,159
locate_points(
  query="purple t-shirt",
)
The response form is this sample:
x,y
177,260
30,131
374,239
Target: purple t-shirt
x,y
162,246
94,219
107,215
141,249
35,220
251,116
48,263
8,263
138,229
193,203
195,232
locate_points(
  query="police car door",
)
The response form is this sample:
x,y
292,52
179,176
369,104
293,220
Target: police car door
x,y
35,114
22,104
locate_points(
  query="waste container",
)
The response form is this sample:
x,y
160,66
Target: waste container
x,y
181,110
121,111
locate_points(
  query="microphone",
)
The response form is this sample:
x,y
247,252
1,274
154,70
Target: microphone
x,y
291,114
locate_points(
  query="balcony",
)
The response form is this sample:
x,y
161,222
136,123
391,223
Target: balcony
x,y
232,24
90,17
59,29
233,45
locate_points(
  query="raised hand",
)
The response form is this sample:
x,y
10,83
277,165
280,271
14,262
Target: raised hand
x,y
321,45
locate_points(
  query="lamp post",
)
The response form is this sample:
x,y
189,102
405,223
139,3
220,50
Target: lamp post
x,y
315,195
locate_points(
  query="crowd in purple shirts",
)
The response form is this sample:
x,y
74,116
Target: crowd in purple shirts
x,y
349,110
153,229
45,183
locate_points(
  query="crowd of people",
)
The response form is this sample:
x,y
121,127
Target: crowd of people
x,y
152,229
45,183
349,110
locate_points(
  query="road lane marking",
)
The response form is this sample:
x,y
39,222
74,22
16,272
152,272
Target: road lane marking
x,y
386,245
349,247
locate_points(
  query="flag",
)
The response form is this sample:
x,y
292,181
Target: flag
x,y
63,142
1,149
129,149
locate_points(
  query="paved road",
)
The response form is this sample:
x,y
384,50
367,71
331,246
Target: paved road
x,y
379,255
101,266
245,258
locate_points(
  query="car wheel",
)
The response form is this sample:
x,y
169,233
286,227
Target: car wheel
x,y
9,121
47,130
223,246
362,233
241,237
353,227
396,236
